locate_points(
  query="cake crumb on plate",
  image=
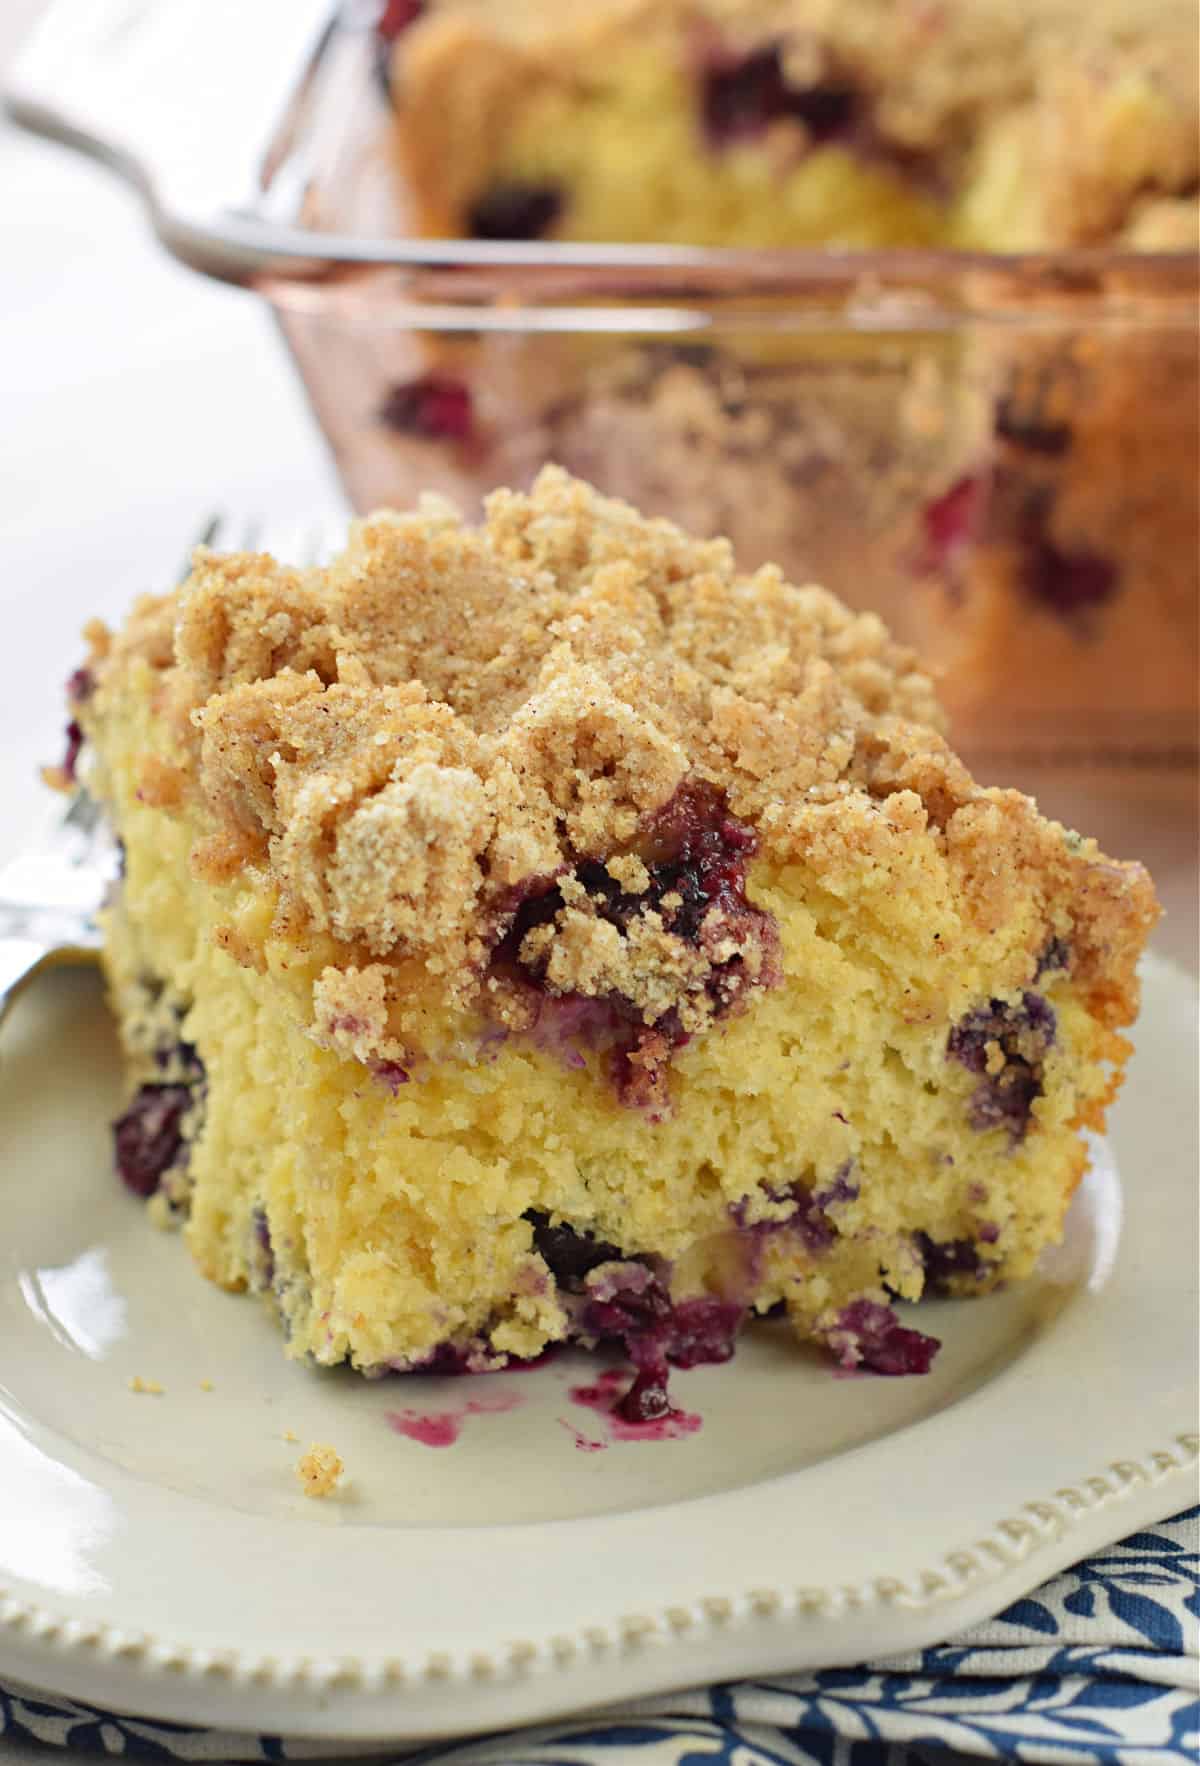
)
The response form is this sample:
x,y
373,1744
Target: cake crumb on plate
x,y
319,1470
151,1387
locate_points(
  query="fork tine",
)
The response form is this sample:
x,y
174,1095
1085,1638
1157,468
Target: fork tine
x,y
224,533
301,543
49,894
78,840
209,535
83,814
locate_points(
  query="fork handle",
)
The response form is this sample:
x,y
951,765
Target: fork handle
x,y
182,97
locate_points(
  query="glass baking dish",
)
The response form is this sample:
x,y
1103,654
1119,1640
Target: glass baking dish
x,y
999,455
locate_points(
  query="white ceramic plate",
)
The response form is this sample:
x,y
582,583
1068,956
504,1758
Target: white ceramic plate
x,y
157,1555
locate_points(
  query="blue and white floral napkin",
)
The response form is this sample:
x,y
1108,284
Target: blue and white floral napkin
x,y
1101,1664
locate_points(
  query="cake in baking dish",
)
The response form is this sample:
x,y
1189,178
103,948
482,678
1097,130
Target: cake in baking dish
x,y
1014,488
1003,125
543,931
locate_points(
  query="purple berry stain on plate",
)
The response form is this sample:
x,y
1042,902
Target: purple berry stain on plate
x,y
584,1443
441,1428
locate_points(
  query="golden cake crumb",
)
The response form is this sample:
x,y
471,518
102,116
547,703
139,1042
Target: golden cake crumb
x,y
320,1470
206,1386
150,1387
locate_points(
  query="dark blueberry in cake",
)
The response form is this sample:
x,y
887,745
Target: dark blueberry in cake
x,y
1039,1016
631,1305
692,849
951,520
391,1074
840,1188
808,1218
1007,1100
697,851
631,1308
870,1335
696,855
181,1061
433,406
80,686
827,110
742,96
701,1331
1055,956
394,19
815,1226
1030,430
946,1258
262,1254
148,1139
1023,1033
70,759
567,1254
1066,582
514,211
1069,583
1003,1023
447,1358
571,1022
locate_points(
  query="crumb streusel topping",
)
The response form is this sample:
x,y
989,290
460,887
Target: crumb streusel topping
x,y
448,720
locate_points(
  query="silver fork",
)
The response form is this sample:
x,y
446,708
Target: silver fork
x,y
49,896
51,893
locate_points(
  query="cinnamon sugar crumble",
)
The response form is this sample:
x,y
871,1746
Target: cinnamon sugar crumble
x,y
449,722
